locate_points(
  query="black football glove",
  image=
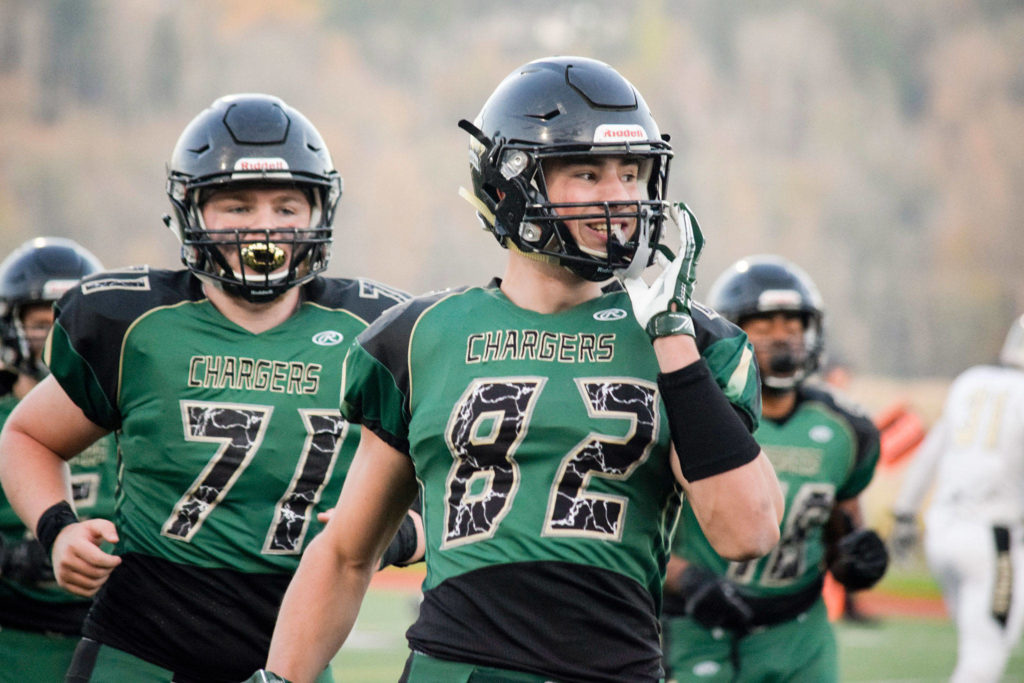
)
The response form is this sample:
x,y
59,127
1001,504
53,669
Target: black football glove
x,y
904,536
713,601
860,560
402,546
26,562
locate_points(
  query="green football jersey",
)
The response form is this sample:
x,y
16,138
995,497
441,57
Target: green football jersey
x,y
541,445
44,606
231,443
823,453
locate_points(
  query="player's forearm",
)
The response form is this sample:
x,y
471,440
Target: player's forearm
x,y
324,596
675,351
34,477
318,612
730,481
43,431
774,489
739,510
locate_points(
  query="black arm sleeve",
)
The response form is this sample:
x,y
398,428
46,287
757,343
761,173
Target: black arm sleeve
x,y
709,436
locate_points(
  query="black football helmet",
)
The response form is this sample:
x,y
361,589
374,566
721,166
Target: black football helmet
x,y
255,139
37,272
765,284
565,107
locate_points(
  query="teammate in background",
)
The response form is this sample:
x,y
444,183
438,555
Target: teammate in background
x,y
766,620
536,416
975,521
40,623
839,602
221,382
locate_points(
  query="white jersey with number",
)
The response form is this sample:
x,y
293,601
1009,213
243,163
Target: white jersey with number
x,y
975,453
974,527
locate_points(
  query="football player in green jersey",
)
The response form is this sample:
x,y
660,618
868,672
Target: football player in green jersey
x,y
548,440
40,623
766,620
221,382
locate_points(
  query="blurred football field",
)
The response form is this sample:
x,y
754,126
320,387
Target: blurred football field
x,y
909,640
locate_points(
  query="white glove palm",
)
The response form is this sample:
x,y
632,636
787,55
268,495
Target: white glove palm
x,y
663,307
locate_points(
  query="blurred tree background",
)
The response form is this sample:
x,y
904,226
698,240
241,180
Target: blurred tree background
x,y
878,144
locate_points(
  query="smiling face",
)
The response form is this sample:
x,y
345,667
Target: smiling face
x,y
594,179
256,216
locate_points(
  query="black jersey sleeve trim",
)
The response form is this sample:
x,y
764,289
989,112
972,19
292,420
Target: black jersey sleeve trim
x,y
865,434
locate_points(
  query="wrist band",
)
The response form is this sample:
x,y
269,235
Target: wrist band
x,y
669,323
51,523
709,436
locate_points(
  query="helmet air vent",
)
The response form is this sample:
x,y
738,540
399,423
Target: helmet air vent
x,y
257,123
545,117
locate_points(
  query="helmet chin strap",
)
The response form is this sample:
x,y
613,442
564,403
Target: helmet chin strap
x,y
533,256
480,207
487,216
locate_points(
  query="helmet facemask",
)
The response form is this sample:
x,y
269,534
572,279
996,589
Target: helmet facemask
x,y
262,250
523,215
21,353
793,363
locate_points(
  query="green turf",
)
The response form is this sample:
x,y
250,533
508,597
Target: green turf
x,y
905,650
376,650
893,650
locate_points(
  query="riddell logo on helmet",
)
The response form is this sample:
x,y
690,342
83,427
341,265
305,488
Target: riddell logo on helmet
x,y
779,298
619,132
261,164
